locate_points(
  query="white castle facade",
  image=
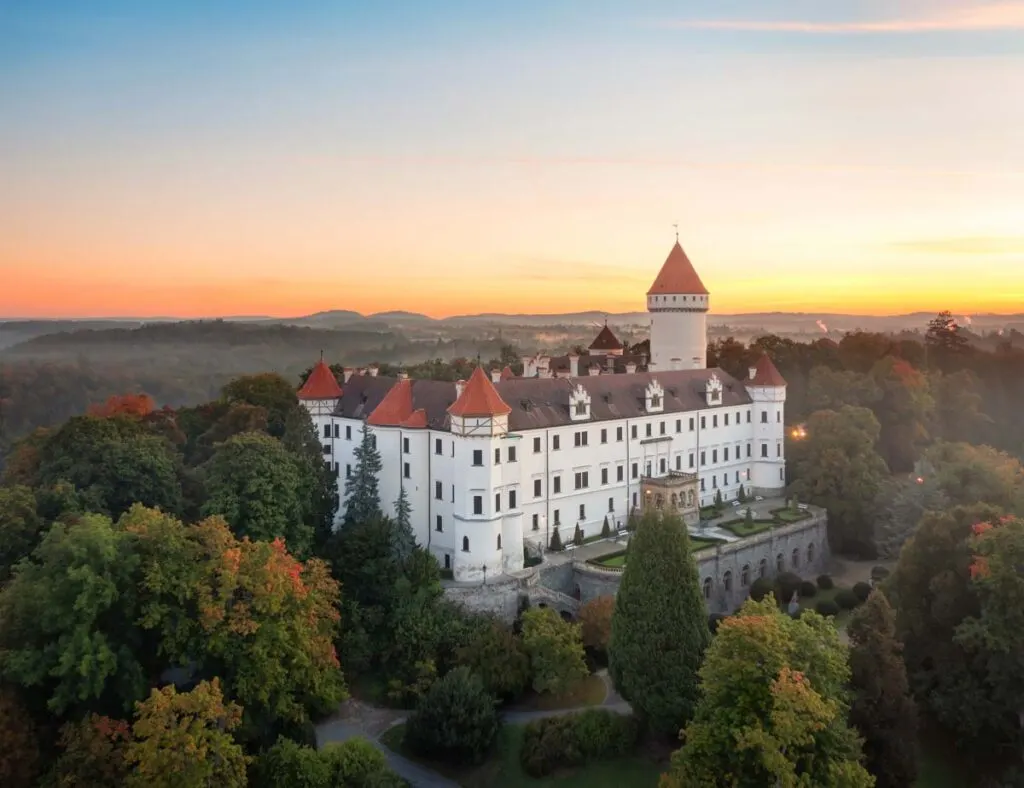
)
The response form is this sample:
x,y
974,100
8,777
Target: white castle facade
x,y
499,461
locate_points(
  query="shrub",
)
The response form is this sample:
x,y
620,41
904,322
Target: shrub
x,y
862,590
846,599
825,582
293,765
596,623
556,540
760,588
714,620
496,655
573,739
786,585
577,537
808,589
354,762
827,607
879,573
456,720
606,529
555,648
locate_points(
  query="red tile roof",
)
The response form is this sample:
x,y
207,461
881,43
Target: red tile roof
x,y
479,398
765,373
507,373
606,340
321,384
395,408
678,275
418,420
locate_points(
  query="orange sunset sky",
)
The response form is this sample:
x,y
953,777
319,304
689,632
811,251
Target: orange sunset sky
x,y
262,158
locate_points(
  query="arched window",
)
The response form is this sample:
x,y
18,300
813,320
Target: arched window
x,y
465,544
810,553
796,557
780,563
499,541
689,497
727,581
707,588
762,569
745,575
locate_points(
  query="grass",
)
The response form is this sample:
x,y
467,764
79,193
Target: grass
x,y
740,527
789,516
618,560
502,768
591,691
711,512
809,602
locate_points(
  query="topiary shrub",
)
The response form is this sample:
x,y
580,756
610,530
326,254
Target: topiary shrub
x,y
879,573
760,588
862,590
808,589
556,541
786,585
714,620
573,739
825,582
577,536
846,599
827,607
606,529
456,720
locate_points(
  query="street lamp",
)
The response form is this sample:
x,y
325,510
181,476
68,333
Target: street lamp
x,y
485,574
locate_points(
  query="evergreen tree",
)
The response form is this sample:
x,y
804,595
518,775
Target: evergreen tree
x,y
882,708
748,519
606,529
556,540
718,498
741,495
660,625
577,537
362,499
404,541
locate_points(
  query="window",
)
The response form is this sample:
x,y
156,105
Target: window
x,y
661,428
647,430
497,502
748,417
703,459
679,425
679,462
511,453
447,561
478,504
437,446
620,472
725,454
604,476
727,581
780,562
655,401
453,448
618,433
632,432
726,417
438,490
453,493
536,488
796,557
499,541
327,448
692,458
737,477
714,481
536,522
692,423
580,438
348,432
634,500
702,484
714,420
764,449
555,444
582,480
327,430
536,445
439,525
405,470
373,441
557,482
337,430
604,436
497,456
661,465
611,504
748,449
581,408
778,417
762,568
558,517
337,469
810,553
583,511
714,456
348,471
647,468
703,422
745,576
405,445
465,544
478,457
764,417
706,586
778,449
636,470
511,499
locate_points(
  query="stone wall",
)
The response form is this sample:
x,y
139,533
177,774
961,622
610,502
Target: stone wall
x,y
500,598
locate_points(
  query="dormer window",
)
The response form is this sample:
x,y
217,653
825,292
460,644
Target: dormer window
x,y
654,398
579,403
713,390
581,408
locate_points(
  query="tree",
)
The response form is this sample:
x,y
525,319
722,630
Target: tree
x,y
456,720
183,740
660,625
967,474
253,482
290,765
21,527
903,411
269,391
944,340
362,500
772,709
748,518
830,389
496,655
901,503
577,537
93,753
837,467
318,481
19,743
555,649
882,709
958,408
596,623
138,405
404,541
741,495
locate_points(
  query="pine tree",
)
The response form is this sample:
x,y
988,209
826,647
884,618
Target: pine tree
x,y
556,540
362,500
606,529
404,540
882,710
660,625
577,537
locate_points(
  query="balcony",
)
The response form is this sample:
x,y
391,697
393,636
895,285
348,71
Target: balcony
x,y
675,492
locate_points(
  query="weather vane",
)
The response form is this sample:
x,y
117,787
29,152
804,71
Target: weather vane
x,y
676,226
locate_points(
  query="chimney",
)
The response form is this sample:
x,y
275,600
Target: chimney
x,y
373,370
611,364
594,369
574,365
459,386
529,369
403,375
495,375
630,367
348,372
753,372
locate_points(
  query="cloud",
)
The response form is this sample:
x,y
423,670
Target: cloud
x,y
988,17
980,245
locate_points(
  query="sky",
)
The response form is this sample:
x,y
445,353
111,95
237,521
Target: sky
x,y
246,157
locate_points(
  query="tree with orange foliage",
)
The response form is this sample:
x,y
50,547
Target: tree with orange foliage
x,y
93,753
596,618
19,745
124,405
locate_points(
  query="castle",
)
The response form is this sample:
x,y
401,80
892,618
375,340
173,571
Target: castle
x,y
500,462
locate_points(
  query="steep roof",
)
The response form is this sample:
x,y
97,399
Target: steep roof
x,y
765,373
678,275
321,383
606,340
395,408
507,373
479,398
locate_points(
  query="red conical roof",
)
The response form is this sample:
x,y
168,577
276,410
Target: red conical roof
x,y
678,276
395,408
606,340
321,383
479,398
765,373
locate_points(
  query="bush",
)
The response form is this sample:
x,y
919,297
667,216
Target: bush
x,y
555,649
825,582
596,623
290,764
760,588
573,739
808,589
827,607
606,529
879,573
846,599
786,585
456,720
496,655
714,620
556,540
577,537
355,762
862,590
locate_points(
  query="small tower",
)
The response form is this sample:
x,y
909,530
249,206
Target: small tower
x,y
767,389
606,343
678,303
320,393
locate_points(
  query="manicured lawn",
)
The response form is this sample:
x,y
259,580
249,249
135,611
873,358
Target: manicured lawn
x,y
618,560
502,769
589,692
698,543
789,516
711,512
809,603
740,527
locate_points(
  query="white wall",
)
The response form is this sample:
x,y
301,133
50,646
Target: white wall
x,y
678,335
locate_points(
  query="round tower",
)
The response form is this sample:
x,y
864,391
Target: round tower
x,y
678,304
767,390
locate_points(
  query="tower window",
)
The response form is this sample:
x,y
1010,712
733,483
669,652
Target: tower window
x,y
764,417
478,504
439,525
478,457
465,544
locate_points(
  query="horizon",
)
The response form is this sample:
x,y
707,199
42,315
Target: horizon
x,y
255,160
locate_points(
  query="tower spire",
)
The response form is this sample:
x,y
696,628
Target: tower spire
x,y
676,226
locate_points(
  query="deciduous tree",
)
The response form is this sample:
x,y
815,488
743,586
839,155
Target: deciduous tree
x,y
456,720
596,622
93,753
555,649
269,391
21,528
497,656
19,743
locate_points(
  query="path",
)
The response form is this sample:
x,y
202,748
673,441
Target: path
x,y
357,719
